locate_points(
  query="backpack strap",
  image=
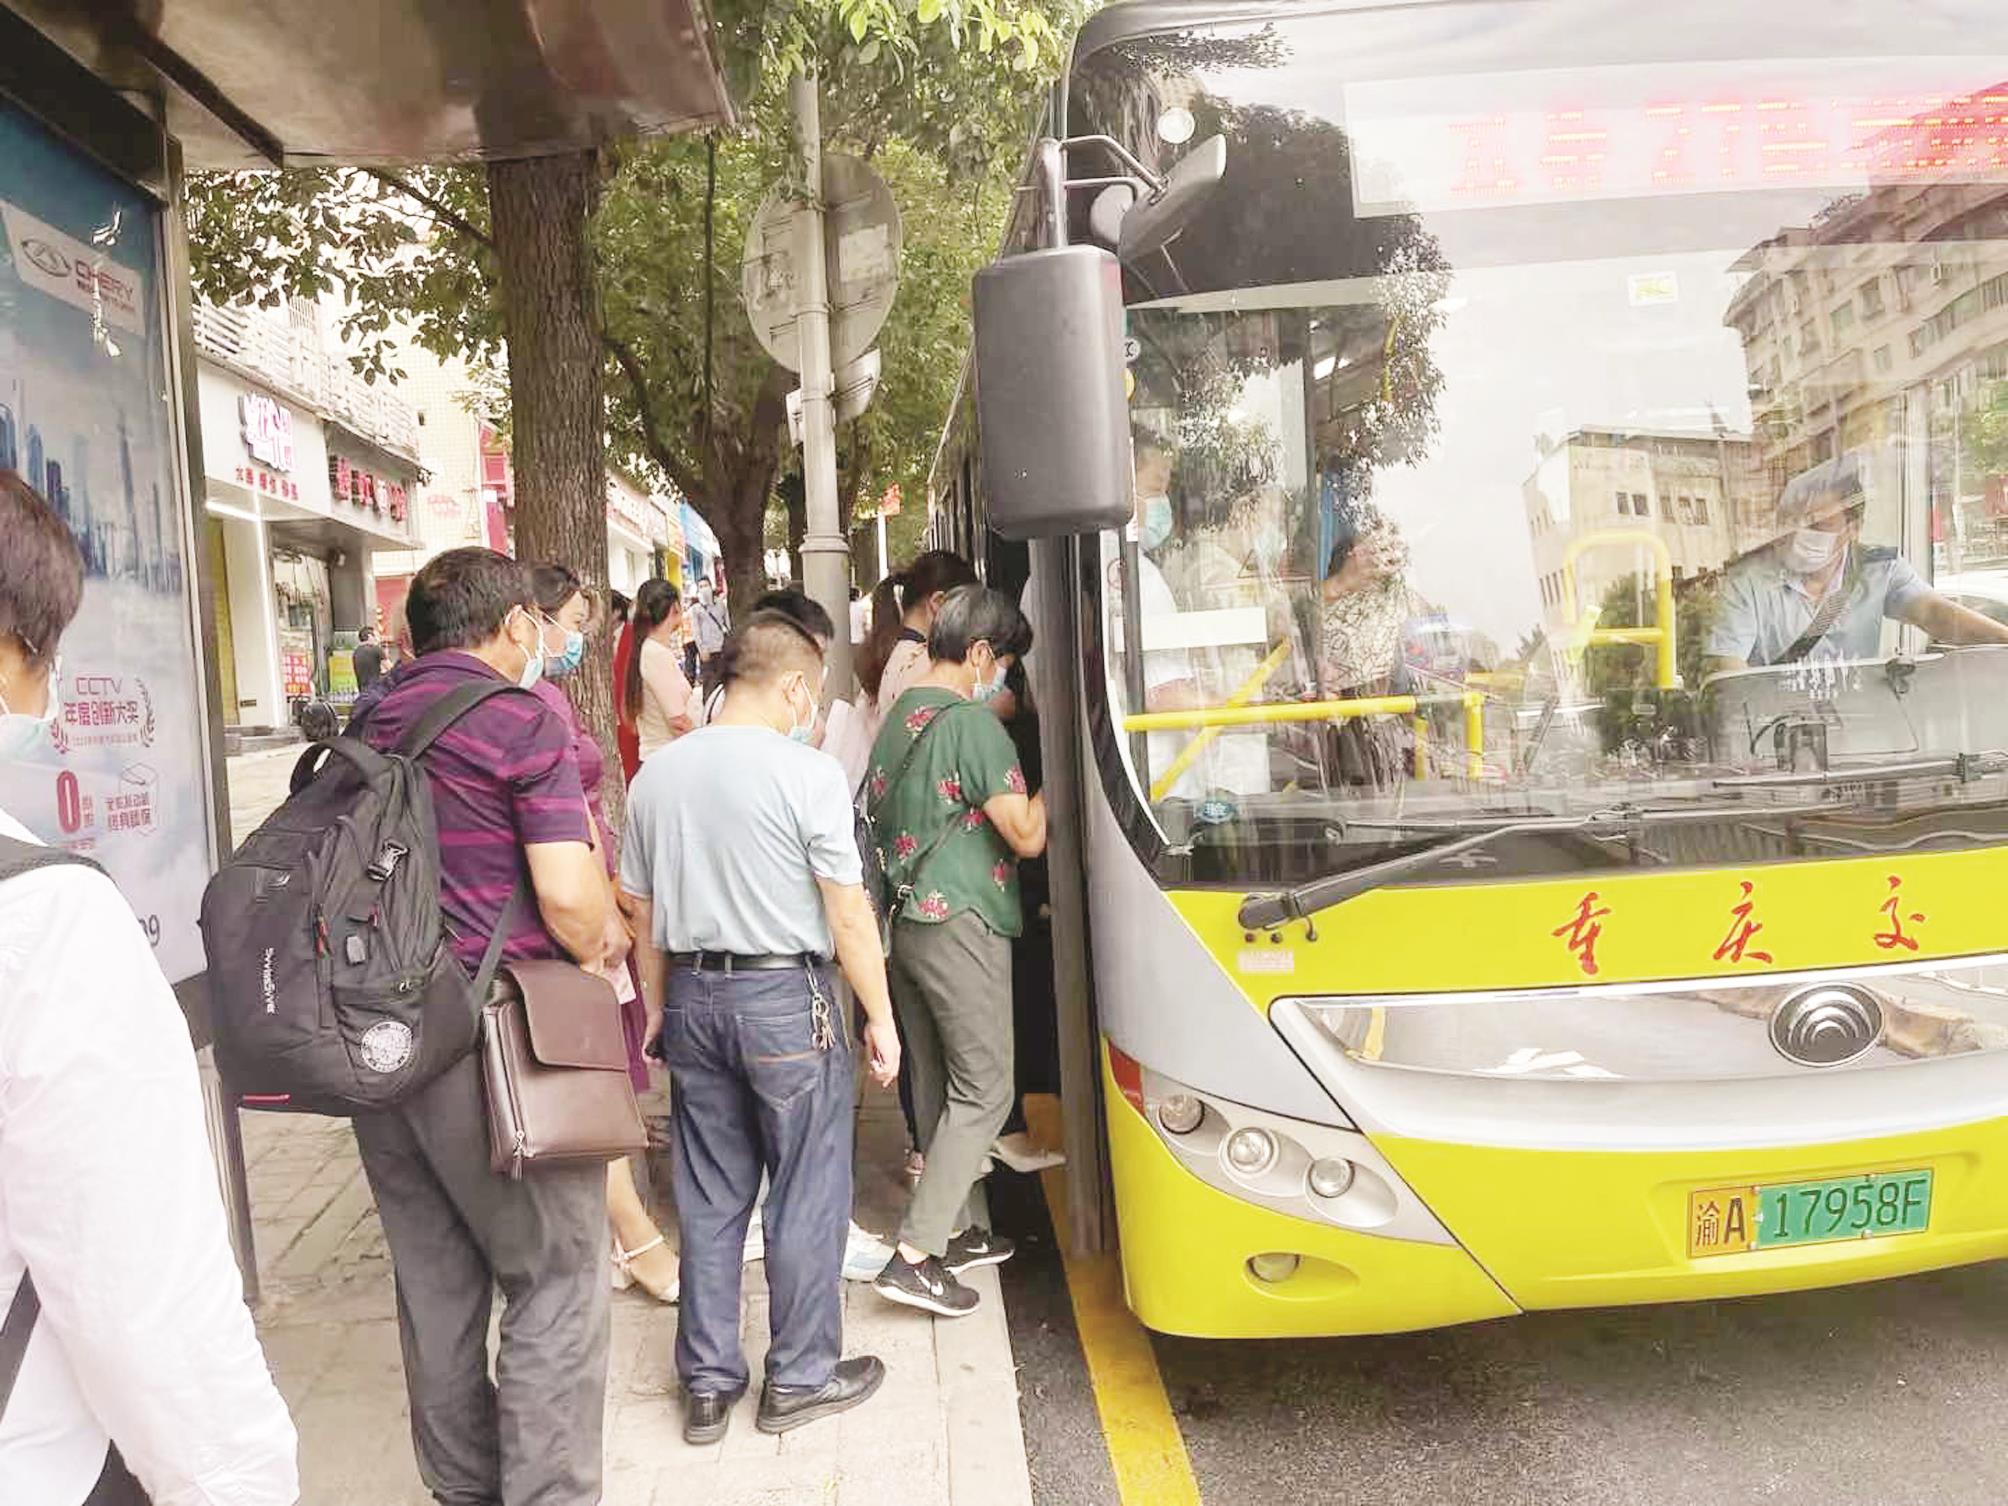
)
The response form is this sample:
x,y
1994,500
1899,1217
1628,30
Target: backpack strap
x,y
14,1335
18,857
447,710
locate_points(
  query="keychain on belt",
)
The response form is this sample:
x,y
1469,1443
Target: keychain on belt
x,y
821,1035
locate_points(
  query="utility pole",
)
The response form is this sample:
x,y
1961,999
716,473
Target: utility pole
x,y
825,551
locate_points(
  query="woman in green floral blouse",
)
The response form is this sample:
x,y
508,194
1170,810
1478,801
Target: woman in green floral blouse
x,y
953,818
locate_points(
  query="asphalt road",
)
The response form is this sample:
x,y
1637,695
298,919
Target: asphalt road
x,y
1888,1394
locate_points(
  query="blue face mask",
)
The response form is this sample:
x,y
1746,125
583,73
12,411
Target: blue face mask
x,y
23,736
1154,527
571,658
990,689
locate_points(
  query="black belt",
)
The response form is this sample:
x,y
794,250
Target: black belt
x,y
743,962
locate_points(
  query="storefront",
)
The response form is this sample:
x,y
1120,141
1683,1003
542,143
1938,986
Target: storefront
x,y
294,506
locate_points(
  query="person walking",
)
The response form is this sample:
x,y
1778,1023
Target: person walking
x,y
953,818
515,855
139,1373
894,655
742,867
655,693
708,626
641,1254
368,659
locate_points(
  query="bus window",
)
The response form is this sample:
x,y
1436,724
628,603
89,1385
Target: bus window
x,y
1460,505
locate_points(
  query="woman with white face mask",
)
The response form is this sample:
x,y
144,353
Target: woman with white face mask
x,y
139,1373
1819,593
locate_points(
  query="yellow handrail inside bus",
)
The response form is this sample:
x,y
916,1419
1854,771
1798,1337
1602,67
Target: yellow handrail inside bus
x,y
1241,697
1584,632
1472,701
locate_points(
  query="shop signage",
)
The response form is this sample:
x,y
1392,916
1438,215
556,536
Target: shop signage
x,y
268,429
252,478
364,489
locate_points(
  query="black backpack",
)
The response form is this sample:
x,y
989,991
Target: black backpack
x,y
332,987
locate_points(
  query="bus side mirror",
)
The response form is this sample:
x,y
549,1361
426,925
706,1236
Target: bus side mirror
x,y
1049,393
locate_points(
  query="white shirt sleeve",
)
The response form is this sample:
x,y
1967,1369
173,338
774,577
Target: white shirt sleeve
x,y
110,1196
827,822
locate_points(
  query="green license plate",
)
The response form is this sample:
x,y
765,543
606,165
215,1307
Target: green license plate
x,y
1731,1220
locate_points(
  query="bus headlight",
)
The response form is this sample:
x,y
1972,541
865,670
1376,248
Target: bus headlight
x,y
1250,1151
1330,1177
1181,1113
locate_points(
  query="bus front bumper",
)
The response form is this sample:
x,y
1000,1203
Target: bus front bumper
x,y
1581,1228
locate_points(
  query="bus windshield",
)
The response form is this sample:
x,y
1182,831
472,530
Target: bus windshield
x,y
1522,432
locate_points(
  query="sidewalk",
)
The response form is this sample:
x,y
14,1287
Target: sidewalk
x,y
943,1429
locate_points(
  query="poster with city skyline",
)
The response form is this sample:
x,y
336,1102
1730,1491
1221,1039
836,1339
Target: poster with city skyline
x,y
85,418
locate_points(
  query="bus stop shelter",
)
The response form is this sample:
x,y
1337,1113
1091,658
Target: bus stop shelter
x,y
104,104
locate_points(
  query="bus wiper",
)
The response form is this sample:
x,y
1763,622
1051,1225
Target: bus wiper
x,y
1265,912
1964,767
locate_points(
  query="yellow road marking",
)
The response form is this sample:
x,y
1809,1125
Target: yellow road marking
x,y
1146,1450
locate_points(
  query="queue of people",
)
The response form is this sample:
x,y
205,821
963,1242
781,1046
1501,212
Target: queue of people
x,y
723,916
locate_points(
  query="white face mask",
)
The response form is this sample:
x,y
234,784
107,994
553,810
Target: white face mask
x,y
1811,550
23,736
989,689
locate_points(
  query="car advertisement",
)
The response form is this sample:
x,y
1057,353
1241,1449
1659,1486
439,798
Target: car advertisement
x,y
85,417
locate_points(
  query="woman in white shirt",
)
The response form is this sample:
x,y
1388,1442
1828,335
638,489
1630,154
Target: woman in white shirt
x,y
904,604
142,1361
657,697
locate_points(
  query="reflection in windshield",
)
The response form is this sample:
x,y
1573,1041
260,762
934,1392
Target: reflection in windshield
x,y
1551,508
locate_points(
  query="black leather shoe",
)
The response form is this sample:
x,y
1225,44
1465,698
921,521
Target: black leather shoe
x,y
706,1415
785,1407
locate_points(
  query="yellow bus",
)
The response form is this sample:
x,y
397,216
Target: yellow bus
x,y
1523,681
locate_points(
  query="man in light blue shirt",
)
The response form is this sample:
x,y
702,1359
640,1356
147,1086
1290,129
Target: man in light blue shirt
x,y
743,868
1779,604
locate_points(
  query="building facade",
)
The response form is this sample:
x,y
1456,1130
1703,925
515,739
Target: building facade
x,y
308,472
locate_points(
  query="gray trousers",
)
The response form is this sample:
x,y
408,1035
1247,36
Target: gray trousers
x,y
951,986
755,1093
531,1435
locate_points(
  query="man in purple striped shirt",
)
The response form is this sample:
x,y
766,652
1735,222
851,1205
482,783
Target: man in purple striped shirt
x,y
515,851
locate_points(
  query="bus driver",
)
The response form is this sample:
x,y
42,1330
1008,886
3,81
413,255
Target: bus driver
x,y
1817,592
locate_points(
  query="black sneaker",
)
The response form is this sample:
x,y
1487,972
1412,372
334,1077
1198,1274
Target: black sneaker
x,y
785,1407
928,1286
707,1414
976,1246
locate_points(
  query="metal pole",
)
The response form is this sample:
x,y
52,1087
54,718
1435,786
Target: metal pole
x,y
825,552
885,568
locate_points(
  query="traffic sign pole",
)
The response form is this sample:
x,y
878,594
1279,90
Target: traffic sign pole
x,y
825,551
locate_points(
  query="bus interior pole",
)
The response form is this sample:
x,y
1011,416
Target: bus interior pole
x,y
825,551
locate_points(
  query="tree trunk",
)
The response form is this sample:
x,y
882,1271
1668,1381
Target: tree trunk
x,y
541,209
738,484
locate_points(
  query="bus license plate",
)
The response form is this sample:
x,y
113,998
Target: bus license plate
x,y
1731,1220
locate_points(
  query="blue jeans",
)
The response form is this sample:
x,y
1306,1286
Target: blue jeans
x,y
754,1093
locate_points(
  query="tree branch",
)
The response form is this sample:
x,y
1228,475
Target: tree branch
x,y
437,208
659,451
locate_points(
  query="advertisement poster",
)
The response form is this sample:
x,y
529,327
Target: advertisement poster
x,y
296,661
84,416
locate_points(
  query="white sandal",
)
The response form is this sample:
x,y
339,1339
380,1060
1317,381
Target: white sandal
x,y
624,1276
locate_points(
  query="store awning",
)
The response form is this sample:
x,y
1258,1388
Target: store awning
x,y
399,81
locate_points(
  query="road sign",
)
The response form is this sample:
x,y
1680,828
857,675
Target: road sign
x,y
862,244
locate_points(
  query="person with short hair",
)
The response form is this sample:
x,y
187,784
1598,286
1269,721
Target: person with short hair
x,y
141,1374
742,866
515,854
1816,592
953,818
709,623
368,659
